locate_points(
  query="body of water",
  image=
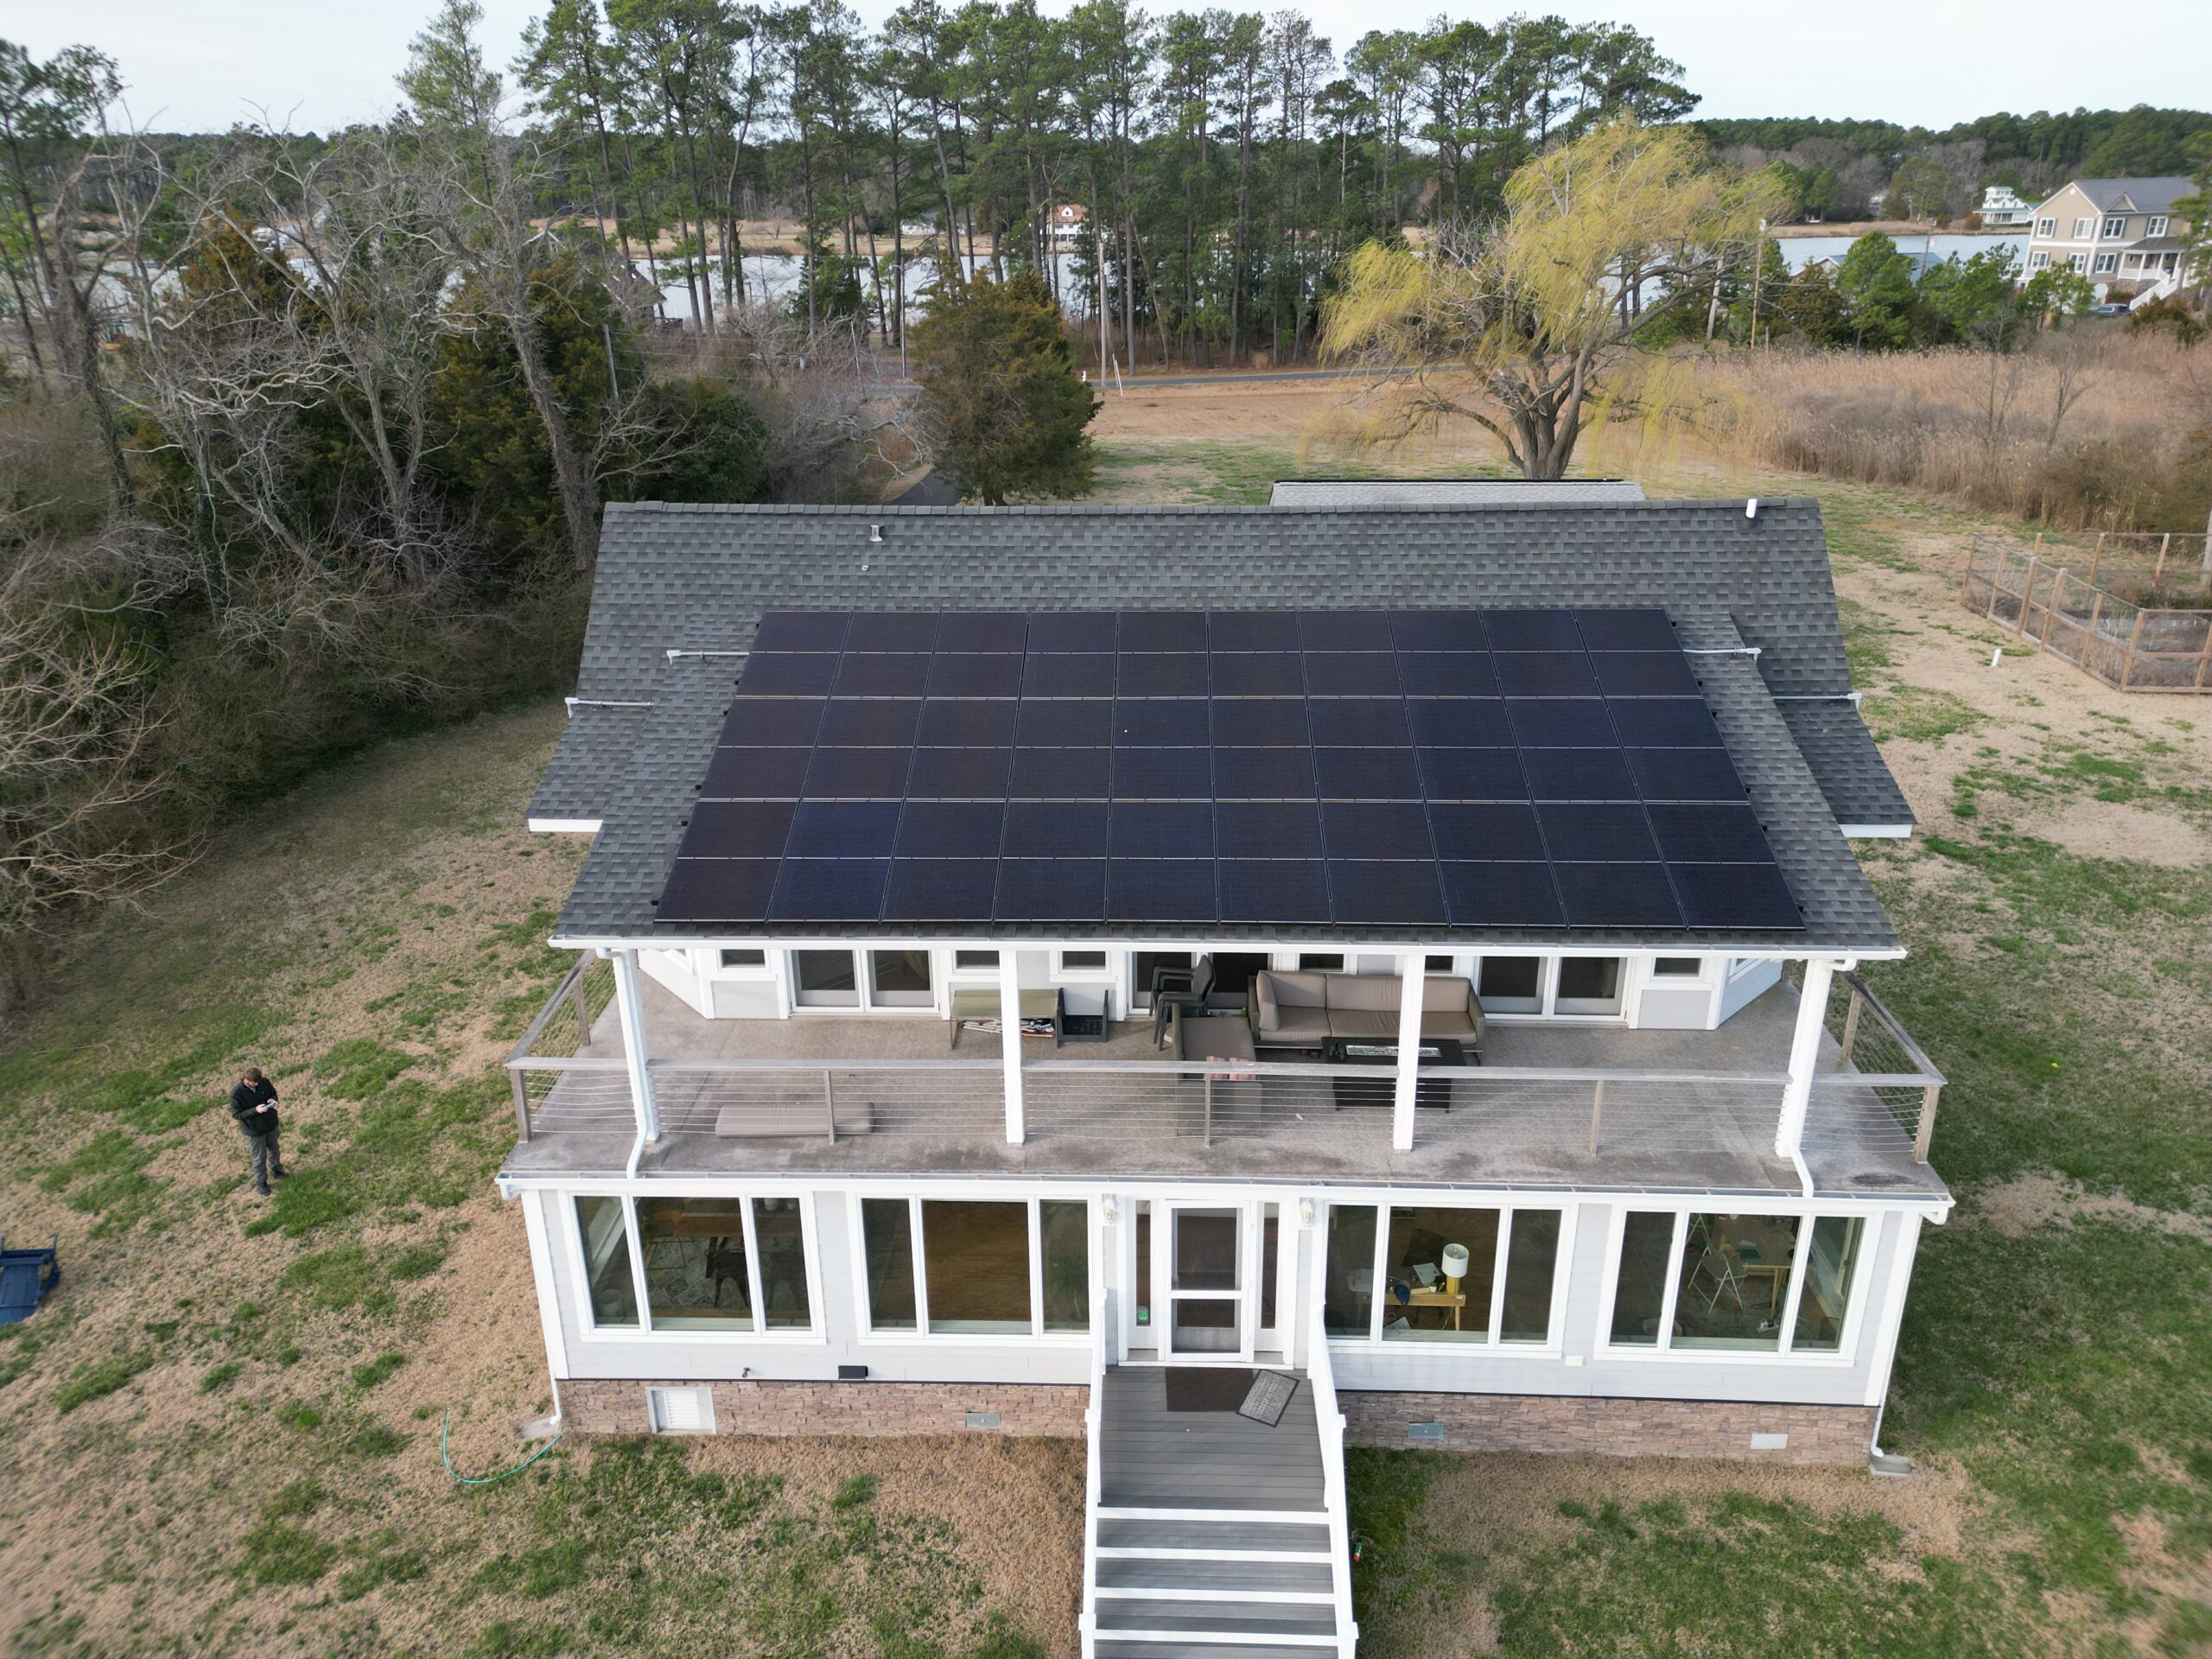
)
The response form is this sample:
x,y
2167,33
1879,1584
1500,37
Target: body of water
x,y
776,276
1801,251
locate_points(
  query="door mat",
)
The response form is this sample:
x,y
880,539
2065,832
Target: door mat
x,y
1207,1387
1272,1392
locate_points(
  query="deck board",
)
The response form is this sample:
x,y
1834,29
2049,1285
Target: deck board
x,y
1152,1458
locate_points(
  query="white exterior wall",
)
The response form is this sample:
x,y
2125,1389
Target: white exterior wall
x,y
1578,1366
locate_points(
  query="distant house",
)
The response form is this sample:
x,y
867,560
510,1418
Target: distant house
x,y
1069,221
2118,232
2002,209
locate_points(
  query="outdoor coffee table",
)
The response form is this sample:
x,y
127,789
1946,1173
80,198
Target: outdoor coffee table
x,y
1429,1091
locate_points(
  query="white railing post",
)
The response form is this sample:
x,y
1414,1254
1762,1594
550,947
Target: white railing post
x,y
1804,1056
1010,1043
630,1009
1413,979
1105,1312
1321,1375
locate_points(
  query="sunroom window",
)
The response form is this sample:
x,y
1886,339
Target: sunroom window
x,y
724,1264
976,1267
1712,1283
604,1236
1445,1274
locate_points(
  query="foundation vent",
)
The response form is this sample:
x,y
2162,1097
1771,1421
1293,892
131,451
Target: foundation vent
x,y
681,1411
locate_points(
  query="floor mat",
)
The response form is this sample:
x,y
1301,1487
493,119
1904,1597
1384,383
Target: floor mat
x,y
1272,1392
1207,1387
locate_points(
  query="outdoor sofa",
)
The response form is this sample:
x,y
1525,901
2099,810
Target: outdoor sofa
x,y
1302,1010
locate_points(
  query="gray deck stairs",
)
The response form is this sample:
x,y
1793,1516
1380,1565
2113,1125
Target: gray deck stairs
x,y
1212,1531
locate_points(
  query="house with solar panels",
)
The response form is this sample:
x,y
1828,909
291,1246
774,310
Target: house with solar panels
x,y
1224,982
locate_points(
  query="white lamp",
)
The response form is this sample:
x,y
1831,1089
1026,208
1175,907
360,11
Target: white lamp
x,y
1455,1268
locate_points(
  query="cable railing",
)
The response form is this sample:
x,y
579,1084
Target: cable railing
x,y
1881,1086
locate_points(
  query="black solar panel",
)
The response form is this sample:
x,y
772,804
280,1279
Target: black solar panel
x,y
1533,768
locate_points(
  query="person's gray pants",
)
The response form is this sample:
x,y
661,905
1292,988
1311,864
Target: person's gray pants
x,y
265,1157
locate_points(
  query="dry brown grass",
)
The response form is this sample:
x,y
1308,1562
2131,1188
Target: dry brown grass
x,y
2089,427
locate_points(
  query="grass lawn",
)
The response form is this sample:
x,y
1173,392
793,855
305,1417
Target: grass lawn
x,y
222,1436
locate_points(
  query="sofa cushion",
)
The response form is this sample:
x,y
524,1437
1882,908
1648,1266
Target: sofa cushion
x,y
1295,990
1367,993
1364,1022
1297,1027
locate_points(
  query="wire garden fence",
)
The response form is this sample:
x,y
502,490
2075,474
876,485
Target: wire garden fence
x,y
2134,611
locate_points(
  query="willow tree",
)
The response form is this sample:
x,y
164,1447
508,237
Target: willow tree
x,y
1515,324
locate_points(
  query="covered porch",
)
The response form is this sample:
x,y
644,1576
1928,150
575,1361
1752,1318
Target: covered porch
x,y
1592,1106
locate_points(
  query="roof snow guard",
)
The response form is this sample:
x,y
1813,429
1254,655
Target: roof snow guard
x,y
680,610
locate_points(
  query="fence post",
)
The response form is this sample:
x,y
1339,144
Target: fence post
x,y
1927,1130
2204,654
522,1101
1209,1094
1597,1111
1850,1027
2096,554
2127,667
2090,634
2158,575
2027,598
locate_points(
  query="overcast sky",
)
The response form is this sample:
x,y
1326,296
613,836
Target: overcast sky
x,y
194,64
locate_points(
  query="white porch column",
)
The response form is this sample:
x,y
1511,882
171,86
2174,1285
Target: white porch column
x,y
630,1010
1010,1041
1413,979
1804,1055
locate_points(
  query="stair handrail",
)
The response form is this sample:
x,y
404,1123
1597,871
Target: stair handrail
x,y
1094,1480
1321,1374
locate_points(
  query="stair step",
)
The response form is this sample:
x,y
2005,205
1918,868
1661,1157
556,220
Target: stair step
x,y
1180,1619
1199,1647
1250,1578
1237,1534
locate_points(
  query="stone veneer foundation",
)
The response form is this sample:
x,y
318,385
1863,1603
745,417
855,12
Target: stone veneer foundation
x,y
601,1406
1468,1422
1627,1429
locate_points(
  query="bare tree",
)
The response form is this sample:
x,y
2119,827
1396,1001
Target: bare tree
x,y
75,722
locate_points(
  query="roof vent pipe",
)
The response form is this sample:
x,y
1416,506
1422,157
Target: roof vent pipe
x,y
1752,508
876,534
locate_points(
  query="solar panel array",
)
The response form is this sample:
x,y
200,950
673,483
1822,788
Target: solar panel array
x,y
1356,769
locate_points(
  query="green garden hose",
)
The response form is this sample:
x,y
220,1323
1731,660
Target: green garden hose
x,y
486,1480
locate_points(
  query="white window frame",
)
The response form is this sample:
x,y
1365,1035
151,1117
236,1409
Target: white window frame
x,y
918,1249
2106,263
591,1329
1491,1343
2077,262
2047,229
858,1005
2115,224
1808,1216
764,968
2081,229
2039,260
2157,226
937,998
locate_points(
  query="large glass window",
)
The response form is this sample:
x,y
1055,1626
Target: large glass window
x,y
697,1276
780,1237
824,979
1831,1267
1734,1282
1437,1268
1510,985
887,1253
1531,1270
901,978
976,1264
1719,1283
1141,1295
605,1238
1347,1302
1588,985
1640,1286
1064,1235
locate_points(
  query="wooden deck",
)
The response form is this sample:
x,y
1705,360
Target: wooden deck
x,y
1158,1458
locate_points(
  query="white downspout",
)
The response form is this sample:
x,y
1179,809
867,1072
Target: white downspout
x,y
1804,1057
1010,1043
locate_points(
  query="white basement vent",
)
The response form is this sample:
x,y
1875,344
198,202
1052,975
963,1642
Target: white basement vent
x,y
1770,1442
681,1411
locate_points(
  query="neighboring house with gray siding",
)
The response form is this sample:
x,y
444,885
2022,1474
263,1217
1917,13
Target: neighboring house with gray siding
x,y
1438,927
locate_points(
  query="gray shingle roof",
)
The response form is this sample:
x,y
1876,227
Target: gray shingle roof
x,y
1847,766
587,761
696,579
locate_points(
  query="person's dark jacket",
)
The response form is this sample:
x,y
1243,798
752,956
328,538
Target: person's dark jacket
x,y
247,1096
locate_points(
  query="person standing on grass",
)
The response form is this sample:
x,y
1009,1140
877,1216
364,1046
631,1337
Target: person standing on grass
x,y
253,1102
